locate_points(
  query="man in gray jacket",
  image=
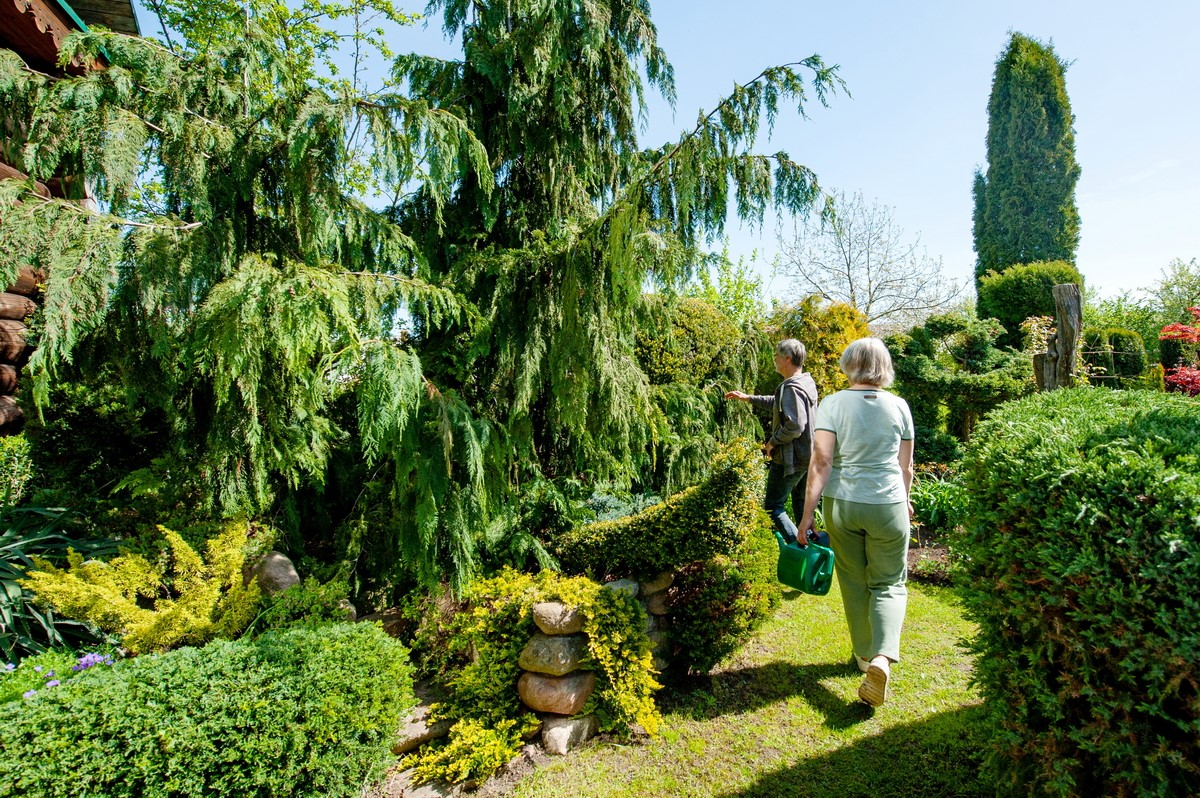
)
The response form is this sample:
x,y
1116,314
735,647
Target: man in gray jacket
x,y
790,445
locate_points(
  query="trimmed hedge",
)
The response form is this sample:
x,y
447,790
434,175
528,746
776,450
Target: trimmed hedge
x,y
1082,558
303,711
1021,291
698,523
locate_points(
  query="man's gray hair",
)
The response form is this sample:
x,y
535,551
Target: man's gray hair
x,y
792,350
868,362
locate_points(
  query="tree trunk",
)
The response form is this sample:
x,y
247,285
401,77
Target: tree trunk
x,y
1068,310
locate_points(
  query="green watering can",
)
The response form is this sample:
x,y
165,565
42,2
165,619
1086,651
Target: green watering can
x,y
808,569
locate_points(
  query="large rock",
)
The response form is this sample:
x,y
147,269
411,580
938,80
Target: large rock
x,y
560,735
658,583
275,573
556,618
562,695
627,586
418,730
553,654
658,604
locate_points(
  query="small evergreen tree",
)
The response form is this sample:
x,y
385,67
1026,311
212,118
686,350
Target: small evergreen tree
x,y
1025,202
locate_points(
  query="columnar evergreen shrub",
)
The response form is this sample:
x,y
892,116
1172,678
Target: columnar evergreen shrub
x,y
303,711
1082,558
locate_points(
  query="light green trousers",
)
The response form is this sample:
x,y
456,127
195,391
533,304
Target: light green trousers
x,y
870,547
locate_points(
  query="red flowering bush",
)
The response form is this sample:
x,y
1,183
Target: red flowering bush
x,y
1183,378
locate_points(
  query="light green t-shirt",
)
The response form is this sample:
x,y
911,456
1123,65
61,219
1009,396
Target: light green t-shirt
x,y
869,425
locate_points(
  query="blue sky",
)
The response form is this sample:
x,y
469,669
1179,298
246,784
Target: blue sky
x,y
912,131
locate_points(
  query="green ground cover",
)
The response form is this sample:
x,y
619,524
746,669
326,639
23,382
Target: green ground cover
x,y
781,718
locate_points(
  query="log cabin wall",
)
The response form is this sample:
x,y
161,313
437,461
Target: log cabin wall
x,y
35,30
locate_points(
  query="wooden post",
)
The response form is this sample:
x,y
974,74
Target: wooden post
x,y
1056,368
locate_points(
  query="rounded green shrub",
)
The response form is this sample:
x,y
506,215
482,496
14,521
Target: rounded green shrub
x,y
1128,351
1021,291
1082,556
307,710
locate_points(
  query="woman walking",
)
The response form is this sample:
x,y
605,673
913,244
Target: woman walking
x,y
862,462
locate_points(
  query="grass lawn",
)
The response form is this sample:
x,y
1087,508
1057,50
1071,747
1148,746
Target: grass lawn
x,y
782,718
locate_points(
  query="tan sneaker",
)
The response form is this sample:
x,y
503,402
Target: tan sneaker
x,y
873,690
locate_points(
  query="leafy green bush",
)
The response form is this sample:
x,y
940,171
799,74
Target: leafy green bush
x,y
698,523
1082,557
1021,291
716,604
37,532
825,329
309,710
940,502
192,599
309,602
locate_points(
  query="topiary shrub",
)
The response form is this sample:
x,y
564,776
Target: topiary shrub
x,y
1082,557
711,518
1021,291
716,604
301,711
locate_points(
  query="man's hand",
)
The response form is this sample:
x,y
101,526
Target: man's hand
x,y
743,397
768,449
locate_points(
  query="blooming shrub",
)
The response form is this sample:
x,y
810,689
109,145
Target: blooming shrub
x,y
302,711
1181,376
44,672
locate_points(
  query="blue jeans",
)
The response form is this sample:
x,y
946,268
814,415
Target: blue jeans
x,y
779,487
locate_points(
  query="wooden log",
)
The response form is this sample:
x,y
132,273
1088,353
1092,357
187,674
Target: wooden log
x,y
8,380
15,306
28,281
1068,311
12,419
13,348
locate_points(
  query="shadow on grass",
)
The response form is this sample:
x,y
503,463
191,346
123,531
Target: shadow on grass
x,y
932,758
745,690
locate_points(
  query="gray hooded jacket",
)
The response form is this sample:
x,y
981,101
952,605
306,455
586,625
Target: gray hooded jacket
x,y
792,410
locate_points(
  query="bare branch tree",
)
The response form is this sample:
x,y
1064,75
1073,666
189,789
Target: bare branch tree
x,y
860,256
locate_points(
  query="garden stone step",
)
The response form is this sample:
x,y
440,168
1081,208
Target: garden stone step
x,y
418,730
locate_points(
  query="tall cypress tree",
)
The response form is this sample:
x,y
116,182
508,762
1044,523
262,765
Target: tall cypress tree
x,y
1025,203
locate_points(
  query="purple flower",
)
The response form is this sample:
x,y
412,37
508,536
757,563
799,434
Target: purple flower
x,y
37,668
29,694
88,660
10,667
49,675
53,683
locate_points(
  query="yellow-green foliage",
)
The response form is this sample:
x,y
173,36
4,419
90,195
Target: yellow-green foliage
x,y
825,331
698,523
491,720
193,599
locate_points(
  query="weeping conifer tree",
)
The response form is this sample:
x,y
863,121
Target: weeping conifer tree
x,y
582,219
1025,203
481,332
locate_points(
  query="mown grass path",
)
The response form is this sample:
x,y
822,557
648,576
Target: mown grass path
x,y
782,718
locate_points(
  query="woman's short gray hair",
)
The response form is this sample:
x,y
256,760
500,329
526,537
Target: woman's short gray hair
x,y
868,362
793,350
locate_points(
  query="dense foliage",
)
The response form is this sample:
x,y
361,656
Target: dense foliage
x,y
713,517
445,355
180,598
825,329
952,372
1025,202
1023,290
1082,554
307,707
